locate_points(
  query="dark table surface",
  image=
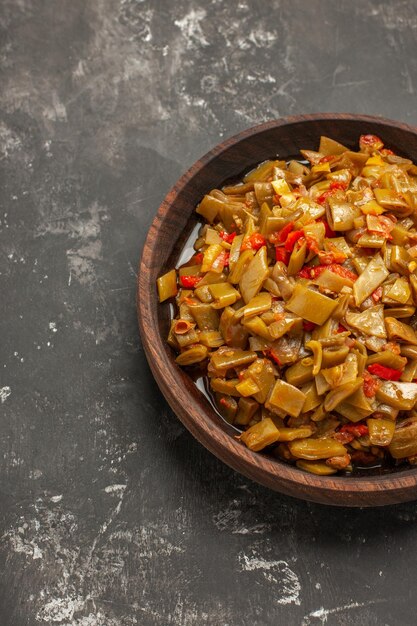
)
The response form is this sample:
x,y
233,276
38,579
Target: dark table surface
x,y
111,514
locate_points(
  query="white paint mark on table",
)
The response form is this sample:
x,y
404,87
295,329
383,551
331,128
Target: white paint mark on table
x,y
322,614
37,552
56,111
262,38
22,544
194,101
12,459
68,599
60,610
79,71
231,519
85,229
117,489
9,141
287,584
81,261
100,618
35,474
190,26
5,392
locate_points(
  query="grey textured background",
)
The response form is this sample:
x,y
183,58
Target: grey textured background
x,y
111,514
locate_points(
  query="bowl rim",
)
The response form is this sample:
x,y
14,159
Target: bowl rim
x,y
277,475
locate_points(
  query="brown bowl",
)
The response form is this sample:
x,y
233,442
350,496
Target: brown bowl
x,y
168,233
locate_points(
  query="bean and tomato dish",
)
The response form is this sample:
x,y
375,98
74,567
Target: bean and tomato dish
x,y
299,304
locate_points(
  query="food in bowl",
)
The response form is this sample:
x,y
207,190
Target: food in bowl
x,y
298,304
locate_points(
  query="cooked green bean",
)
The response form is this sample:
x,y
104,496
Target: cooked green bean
x,y
211,338
204,315
254,275
312,400
167,286
340,393
261,372
285,399
311,305
404,441
188,338
381,431
192,354
314,449
257,305
300,373
317,350
400,331
316,467
401,396
224,295
225,386
247,408
260,435
373,275
228,358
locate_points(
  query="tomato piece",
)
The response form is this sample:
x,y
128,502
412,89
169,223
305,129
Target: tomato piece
x,y
312,244
321,199
328,158
367,142
189,282
334,186
282,235
309,326
292,238
377,294
332,257
227,237
336,268
226,256
387,373
370,384
342,271
197,258
343,437
357,430
253,242
281,254
317,270
392,346
305,272
338,186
